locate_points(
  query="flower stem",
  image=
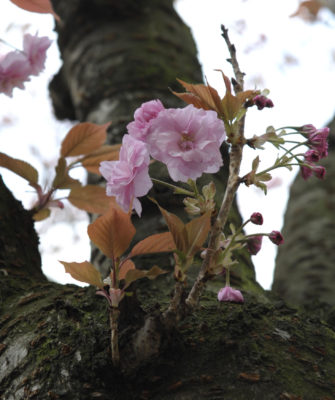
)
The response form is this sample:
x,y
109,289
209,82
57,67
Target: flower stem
x,y
176,189
232,186
113,320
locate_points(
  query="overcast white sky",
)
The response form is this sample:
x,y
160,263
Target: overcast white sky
x,y
292,58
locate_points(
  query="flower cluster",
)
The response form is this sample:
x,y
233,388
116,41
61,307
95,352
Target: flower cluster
x,y
186,139
318,149
16,67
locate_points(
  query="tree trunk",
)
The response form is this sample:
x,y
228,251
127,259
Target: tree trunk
x,y
54,339
305,270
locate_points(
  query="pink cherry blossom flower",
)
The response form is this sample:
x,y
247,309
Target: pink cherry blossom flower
x,y
276,237
256,218
128,178
229,294
35,48
254,244
14,71
188,141
16,66
142,117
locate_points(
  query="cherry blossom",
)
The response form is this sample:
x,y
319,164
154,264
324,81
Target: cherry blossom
x,y
128,178
142,117
229,294
187,140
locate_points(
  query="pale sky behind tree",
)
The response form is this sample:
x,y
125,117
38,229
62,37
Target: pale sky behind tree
x,y
291,57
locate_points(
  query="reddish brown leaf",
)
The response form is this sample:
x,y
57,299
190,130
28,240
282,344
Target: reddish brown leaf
x,y
135,274
190,98
126,266
62,179
84,272
197,232
208,97
308,10
38,6
91,198
160,242
112,232
41,214
19,167
83,138
105,153
249,377
177,229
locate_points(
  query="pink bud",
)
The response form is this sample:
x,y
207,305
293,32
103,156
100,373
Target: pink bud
x,y
308,129
229,294
306,172
276,237
256,218
261,101
319,172
254,244
318,141
312,156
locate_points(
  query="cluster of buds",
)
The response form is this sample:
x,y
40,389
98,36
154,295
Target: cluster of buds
x,y
318,149
200,204
237,240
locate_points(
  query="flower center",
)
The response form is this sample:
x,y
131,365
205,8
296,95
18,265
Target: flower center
x,y
186,141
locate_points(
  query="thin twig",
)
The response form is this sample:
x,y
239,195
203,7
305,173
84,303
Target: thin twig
x,y
239,75
232,186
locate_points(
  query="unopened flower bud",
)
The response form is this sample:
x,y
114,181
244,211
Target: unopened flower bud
x,y
312,156
319,171
276,237
307,129
229,294
254,244
256,218
261,101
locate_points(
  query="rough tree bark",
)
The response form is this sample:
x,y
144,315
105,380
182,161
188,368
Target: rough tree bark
x,y
54,339
308,255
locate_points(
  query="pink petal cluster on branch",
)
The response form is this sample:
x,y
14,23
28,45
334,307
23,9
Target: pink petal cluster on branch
x,y
187,140
16,67
142,117
229,294
128,178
